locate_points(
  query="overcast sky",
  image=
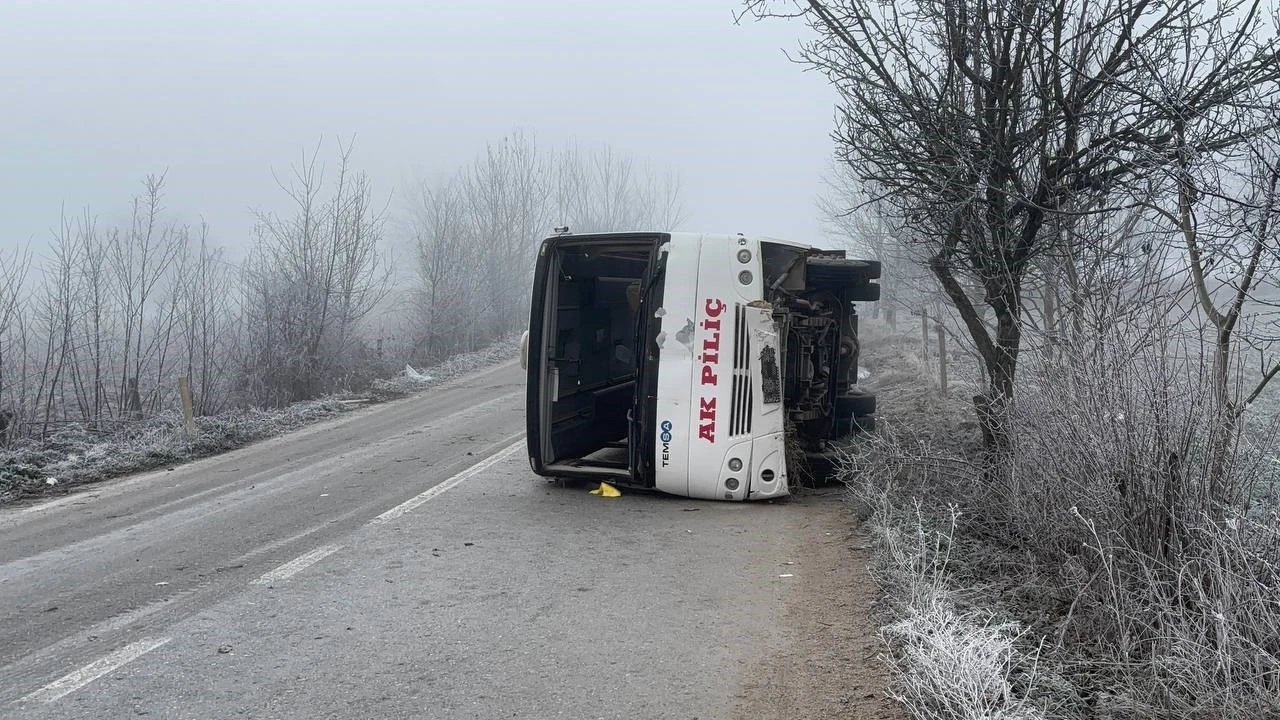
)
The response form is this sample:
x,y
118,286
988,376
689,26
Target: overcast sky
x,y
96,94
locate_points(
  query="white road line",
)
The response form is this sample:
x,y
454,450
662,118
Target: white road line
x,y
297,565
70,683
456,480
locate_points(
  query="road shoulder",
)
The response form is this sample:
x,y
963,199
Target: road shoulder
x,y
826,664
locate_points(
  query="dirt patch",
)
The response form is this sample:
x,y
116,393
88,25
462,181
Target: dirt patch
x,y
827,664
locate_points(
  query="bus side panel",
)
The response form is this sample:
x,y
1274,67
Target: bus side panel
x,y
676,367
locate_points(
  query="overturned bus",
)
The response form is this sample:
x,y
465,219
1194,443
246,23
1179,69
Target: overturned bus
x,y
692,364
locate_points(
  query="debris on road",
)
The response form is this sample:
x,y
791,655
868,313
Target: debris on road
x,y
606,490
416,376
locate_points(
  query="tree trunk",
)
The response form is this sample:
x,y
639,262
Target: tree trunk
x,y
999,355
1225,419
1001,367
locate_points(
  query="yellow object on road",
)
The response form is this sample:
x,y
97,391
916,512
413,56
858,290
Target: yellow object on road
x,y
607,490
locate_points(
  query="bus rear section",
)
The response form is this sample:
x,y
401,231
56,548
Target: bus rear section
x,y
584,362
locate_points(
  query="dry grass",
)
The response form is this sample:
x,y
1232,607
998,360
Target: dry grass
x,y
1106,574
949,661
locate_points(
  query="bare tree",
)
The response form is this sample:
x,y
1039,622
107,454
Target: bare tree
x,y
662,198
13,275
980,122
505,190
204,285
313,276
859,225
475,235
1226,211
448,262
97,293
56,313
601,189
140,257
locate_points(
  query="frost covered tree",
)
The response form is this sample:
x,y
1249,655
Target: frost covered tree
x,y
140,257
14,268
980,122
475,235
505,192
313,275
448,263
601,189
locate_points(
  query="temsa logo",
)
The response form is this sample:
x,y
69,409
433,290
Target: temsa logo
x,y
710,361
666,442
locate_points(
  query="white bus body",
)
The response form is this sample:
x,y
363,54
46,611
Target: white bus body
x,y
681,362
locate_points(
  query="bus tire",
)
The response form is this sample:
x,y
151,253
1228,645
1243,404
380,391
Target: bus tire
x,y
869,292
828,273
855,403
849,427
823,467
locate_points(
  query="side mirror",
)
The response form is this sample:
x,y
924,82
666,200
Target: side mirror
x,y
524,350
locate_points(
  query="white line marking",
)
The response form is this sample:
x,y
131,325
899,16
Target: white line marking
x,y
418,500
68,684
297,565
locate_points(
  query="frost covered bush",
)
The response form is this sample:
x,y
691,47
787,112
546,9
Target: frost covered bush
x,y
410,380
1126,437
950,664
1173,560
73,455
1145,583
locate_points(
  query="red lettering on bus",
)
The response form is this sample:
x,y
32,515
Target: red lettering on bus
x,y
707,409
710,359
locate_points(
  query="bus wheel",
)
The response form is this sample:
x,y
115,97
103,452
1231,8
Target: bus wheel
x,y
823,467
856,424
828,273
866,292
855,403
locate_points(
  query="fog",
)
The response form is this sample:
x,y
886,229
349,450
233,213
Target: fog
x,y
218,94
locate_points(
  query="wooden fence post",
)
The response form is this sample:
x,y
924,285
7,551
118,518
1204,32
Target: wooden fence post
x,y
942,358
924,334
188,411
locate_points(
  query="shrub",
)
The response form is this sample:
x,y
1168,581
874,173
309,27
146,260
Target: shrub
x,y
1104,544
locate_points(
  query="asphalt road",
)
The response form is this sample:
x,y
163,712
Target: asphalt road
x,y
402,562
